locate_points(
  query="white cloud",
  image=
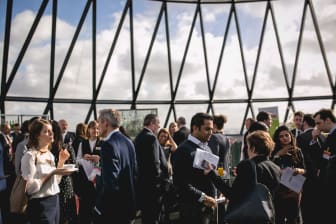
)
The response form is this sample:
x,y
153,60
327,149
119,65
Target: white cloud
x,y
34,73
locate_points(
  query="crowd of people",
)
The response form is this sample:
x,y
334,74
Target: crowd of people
x,y
119,178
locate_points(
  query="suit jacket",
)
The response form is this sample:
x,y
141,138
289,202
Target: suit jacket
x,y
69,137
3,183
268,173
312,153
152,164
190,182
220,146
296,132
181,135
8,164
330,145
119,173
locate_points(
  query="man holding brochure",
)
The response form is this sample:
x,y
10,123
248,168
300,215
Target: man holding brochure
x,y
197,193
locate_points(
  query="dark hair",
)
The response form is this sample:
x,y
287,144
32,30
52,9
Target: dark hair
x,y
326,113
35,130
149,118
308,118
219,121
198,120
278,146
81,129
58,137
299,113
257,126
181,120
263,116
25,127
261,141
91,124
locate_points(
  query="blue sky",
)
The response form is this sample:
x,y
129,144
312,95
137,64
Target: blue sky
x,y
34,69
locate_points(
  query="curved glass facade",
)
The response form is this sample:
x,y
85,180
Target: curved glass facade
x,y
68,59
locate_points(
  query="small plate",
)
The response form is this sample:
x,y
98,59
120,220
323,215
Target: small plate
x,y
61,170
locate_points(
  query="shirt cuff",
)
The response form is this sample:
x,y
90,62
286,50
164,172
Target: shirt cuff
x,y
201,199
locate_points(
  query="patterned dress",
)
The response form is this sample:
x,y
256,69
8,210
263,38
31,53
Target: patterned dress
x,y
67,195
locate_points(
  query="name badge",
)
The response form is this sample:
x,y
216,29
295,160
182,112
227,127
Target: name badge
x,y
98,148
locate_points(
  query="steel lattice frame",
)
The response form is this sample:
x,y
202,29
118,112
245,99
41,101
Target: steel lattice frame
x,y
8,76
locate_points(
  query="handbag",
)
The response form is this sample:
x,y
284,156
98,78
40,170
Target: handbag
x,y
256,207
18,197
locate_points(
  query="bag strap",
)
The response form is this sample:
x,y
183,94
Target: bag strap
x,y
254,171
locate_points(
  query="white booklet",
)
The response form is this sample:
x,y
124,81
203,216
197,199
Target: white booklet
x,y
294,183
90,170
203,158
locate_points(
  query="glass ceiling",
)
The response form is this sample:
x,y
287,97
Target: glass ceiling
x,y
68,59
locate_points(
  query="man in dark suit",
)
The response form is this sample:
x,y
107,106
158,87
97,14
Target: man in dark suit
x,y
312,187
298,117
326,122
8,156
68,136
195,189
182,133
3,186
220,145
153,171
118,171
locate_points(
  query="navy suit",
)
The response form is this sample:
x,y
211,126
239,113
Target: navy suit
x,y
3,183
153,176
119,172
330,178
190,183
181,135
312,187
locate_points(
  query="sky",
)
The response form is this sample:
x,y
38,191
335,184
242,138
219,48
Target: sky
x,y
32,77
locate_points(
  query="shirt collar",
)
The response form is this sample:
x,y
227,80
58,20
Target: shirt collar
x,y
333,129
111,133
308,129
195,140
148,129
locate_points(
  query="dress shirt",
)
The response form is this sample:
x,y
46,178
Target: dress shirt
x,y
202,145
34,165
109,135
205,147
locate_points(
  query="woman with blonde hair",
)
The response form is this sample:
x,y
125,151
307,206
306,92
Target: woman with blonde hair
x,y
88,151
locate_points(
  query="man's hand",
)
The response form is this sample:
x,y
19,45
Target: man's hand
x,y
210,202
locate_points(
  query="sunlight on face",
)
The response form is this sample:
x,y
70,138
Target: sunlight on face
x,y
46,136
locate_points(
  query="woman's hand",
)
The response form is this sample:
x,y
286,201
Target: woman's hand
x,y
62,157
285,150
92,158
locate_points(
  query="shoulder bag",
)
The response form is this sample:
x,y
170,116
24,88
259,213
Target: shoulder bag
x,y
257,206
18,198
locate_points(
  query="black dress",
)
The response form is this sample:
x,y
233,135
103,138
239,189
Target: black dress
x,y
68,213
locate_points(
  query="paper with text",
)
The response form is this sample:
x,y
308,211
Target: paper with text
x,y
202,158
292,182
